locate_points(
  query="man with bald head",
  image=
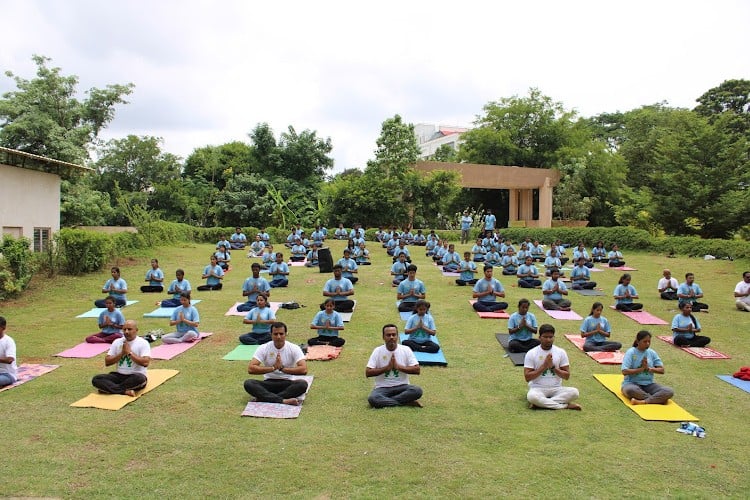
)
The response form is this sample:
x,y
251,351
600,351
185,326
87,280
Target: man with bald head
x,y
132,355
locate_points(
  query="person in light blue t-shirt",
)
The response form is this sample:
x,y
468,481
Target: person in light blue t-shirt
x,y
638,367
522,327
486,292
410,290
279,272
685,328
468,269
111,322
178,285
155,279
624,294
328,323
261,317
213,274
186,320
114,287
252,288
421,328
597,331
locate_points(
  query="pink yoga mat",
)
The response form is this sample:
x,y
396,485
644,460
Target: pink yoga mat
x,y
27,372
169,351
450,274
234,312
491,315
643,317
558,314
297,264
698,352
603,358
84,350
621,268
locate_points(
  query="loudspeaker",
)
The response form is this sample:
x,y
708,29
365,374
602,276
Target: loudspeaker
x,y
325,260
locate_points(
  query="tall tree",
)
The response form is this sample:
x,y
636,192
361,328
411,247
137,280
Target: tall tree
x,y
137,164
728,106
397,149
304,156
45,116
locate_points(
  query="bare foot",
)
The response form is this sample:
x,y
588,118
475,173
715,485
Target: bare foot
x,y
416,403
574,406
291,401
634,401
130,392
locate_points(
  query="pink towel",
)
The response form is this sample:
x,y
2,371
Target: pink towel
x,y
84,350
169,351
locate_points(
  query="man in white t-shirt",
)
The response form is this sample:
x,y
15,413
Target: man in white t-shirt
x,y
8,368
391,364
667,286
279,362
132,354
544,368
742,293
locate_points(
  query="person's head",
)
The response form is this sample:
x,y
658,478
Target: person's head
x,y
642,340
261,301
329,304
362,245
257,237
467,255
411,270
596,309
130,330
554,274
686,308
337,269
278,334
238,230
390,336
255,268
185,299
214,260
581,261
546,336
667,274
401,243
421,306
347,253
115,272
488,272
746,276
451,248
523,306
615,247
402,257
3,326
109,303
155,263
529,260
689,278
625,279
599,244
279,257
580,245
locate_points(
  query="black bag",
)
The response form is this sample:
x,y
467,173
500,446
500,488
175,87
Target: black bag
x,y
290,305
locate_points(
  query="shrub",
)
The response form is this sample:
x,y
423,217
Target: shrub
x,y
83,251
17,266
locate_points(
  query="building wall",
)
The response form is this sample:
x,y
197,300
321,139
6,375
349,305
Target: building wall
x,y
28,199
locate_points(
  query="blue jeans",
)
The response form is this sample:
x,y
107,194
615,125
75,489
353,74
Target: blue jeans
x,y
6,379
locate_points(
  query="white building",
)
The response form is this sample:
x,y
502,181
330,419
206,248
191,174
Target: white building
x,y
431,137
30,195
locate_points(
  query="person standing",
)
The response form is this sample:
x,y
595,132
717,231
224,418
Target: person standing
x,y
466,221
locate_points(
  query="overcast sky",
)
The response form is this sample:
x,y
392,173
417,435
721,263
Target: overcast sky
x,y
206,72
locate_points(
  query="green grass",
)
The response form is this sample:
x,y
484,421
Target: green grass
x,y
474,438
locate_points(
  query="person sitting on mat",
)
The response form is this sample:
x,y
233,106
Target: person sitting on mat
x,y
261,317
213,274
528,275
362,255
268,257
155,278
110,324
544,368
615,257
690,291
599,253
410,290
114,287
685,326
667,286
624,294
391,364
486,292
580,276
399,270
279,272
451,261
238,240
468,269
132,355
312,259
223,257
596,330
278,361
421,327
742,293
8,366
328,324
178,285
554,292
522,327
254,286
186,320
348,266
256,247
339,289
638,367
509,262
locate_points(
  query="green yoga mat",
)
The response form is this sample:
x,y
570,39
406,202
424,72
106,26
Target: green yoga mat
x,y
242,353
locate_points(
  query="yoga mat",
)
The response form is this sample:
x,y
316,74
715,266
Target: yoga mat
x,y
603,358
347,317
84,350
516,358
698,352
156,377
558,314
490,315
169,351
234,312
621,268
737,382
166,312
590,293
405,315
595,270
277,410
450,274
642,317
428,358
241,353
322,352
297,264
670,412
27,372
96,311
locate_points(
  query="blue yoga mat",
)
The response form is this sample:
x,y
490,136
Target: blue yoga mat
x,y
739,383
426,358
165,312
96,311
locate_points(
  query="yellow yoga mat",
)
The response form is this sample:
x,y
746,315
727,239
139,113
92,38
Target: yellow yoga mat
x,y
156,377
670,412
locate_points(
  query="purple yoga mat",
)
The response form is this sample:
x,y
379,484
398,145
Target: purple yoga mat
x,y
558,314
84,350
169,351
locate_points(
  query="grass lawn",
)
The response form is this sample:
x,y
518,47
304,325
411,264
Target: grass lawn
x,y
474,438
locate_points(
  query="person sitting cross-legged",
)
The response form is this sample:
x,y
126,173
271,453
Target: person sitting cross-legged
x,y
467,268
421,327
279,272
410,290
528,275
554,292
486,292
597,331
391,364
261,317
522,327
339,289
685,328
328,324
544,368
186,320
132,355
580,276
624,294
254,286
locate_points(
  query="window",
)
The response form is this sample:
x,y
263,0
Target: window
x,y
41,238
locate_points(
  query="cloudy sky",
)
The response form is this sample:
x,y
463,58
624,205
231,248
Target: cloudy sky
x,y
206,72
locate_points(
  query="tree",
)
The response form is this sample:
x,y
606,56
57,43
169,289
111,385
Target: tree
x,y
728,106
81,205
45,117
304,157
445,153
137,164
397,149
